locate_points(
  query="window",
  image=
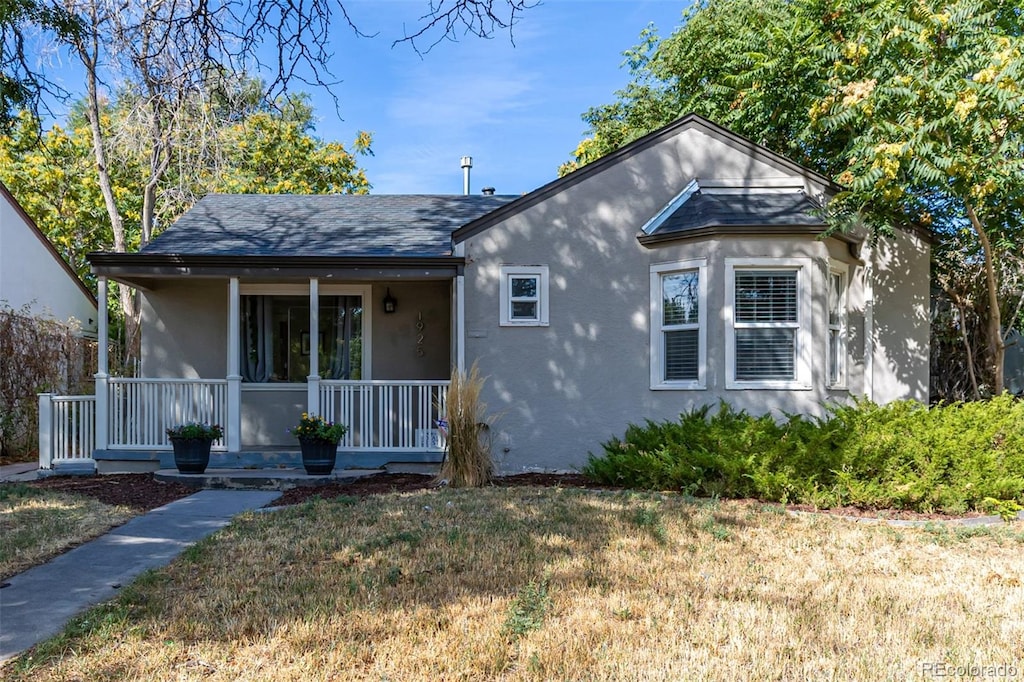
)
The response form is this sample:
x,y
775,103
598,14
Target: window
x,y
524,295
277,340
837,278
767,339
678,324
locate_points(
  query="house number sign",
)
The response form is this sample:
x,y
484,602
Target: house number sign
x,y
420,352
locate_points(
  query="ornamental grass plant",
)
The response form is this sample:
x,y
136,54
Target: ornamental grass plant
x,y
468,462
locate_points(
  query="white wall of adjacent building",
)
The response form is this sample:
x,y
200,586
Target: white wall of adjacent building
x,y
32,274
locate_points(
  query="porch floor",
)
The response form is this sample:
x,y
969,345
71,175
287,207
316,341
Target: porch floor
x,y
260,479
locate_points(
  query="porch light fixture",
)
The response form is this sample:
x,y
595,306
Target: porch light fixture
x,y
389,302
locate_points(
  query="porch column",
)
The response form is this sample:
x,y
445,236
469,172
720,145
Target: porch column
x,y
102,375
233,429
460,322
313,380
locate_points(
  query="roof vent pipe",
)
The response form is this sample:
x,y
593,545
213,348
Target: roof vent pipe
x,y
467,163
487,191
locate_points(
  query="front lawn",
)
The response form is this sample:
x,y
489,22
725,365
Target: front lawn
x,y
542,584
38,524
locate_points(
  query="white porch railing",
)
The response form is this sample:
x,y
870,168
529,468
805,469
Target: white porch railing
x,y
67,429
386,415
381,415
141,410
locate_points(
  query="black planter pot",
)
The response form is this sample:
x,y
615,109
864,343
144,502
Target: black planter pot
x,y
318,456
191,455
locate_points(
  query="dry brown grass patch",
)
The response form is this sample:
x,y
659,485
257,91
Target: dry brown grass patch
x,y
538,584
37,525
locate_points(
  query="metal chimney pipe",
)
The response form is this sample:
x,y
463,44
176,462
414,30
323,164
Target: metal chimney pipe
x,y
467,163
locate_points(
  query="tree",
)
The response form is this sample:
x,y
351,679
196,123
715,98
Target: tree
x,y
50,173
914,106
170,54
934,95
266,150
748,66
22,84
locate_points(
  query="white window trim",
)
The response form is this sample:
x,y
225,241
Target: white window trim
x,y
657,349
290,289
804,270
538,271
839,268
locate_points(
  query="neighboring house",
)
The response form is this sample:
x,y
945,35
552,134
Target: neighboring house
x,y
34,275
682,270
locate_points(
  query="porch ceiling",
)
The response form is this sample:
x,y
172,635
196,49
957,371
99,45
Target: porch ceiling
x,y
145,270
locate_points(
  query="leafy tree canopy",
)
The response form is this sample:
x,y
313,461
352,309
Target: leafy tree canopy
x,y
258,150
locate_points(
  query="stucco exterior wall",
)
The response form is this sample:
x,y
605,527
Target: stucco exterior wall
x,y
30,274
900,287
185,330
560,390
399,352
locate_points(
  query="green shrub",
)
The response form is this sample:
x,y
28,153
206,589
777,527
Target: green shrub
x,y
947,458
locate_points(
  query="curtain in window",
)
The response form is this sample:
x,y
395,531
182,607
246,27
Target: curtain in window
x,y
339,357
257,344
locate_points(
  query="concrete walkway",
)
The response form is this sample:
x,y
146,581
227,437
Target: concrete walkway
x,y
36,604
21,471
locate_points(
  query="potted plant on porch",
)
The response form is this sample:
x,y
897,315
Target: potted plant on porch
x,y
191,442
318,440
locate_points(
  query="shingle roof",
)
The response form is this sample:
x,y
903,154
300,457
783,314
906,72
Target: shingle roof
x,y
703,209
322,225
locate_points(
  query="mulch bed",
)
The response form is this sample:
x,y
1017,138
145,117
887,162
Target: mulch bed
x,y
142,493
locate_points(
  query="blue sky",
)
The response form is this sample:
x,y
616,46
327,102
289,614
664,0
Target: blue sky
x,y
514,108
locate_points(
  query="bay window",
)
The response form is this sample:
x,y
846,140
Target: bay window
x,y
768,326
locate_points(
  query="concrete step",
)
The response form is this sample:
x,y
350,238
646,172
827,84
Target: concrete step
x,y
260,479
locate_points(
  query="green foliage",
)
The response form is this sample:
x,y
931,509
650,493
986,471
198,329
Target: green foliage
x,y
903,455
648,518
196,431
315,427
528,609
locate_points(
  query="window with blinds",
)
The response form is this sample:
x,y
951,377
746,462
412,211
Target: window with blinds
x,y
766,322
680,304
678,325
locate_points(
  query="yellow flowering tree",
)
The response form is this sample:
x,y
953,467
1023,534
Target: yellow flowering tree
x,y
930,95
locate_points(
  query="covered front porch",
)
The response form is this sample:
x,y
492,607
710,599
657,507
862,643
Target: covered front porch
x,y
378,362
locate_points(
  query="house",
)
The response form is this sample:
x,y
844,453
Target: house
x,y
684,269
34,276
